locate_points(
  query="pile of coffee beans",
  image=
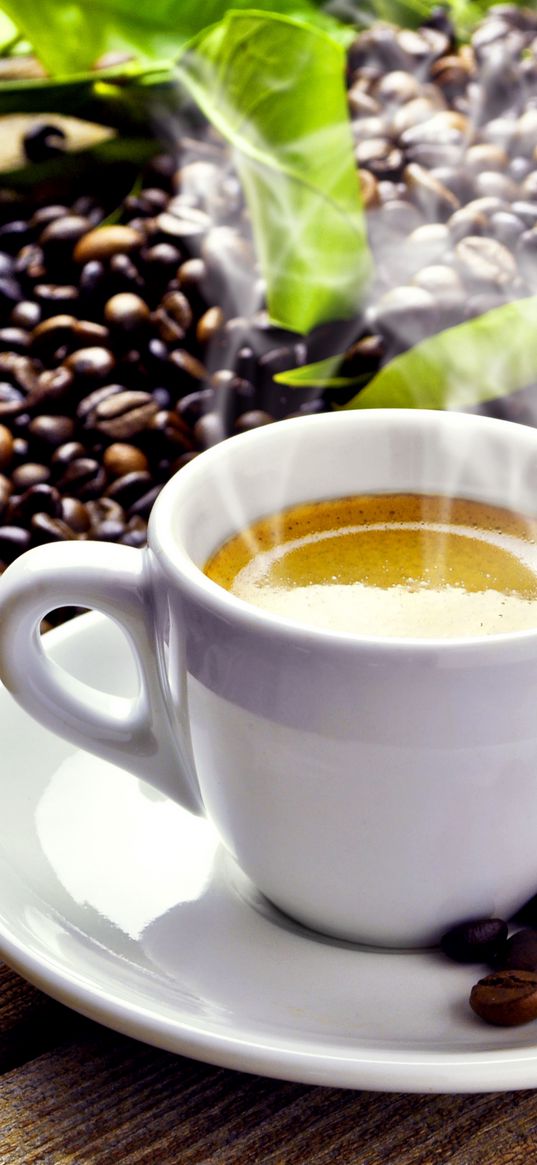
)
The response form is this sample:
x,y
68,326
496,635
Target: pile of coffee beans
x,y
133,336
508,996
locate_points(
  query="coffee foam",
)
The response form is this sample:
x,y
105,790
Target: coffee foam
x,y
419,610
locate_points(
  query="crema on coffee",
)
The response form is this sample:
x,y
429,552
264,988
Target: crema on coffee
x,y
398,565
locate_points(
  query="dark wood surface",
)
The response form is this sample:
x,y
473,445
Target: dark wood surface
x,y
73,1093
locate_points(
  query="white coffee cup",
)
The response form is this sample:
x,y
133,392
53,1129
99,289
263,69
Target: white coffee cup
x,y
378,790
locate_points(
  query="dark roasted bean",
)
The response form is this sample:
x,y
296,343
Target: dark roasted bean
x,y
37,499
142,507
104,509
476,941
209,430
128,489
191,373
25,315
83,478
93,363
43,141
51,431
126,313
123,415
44,528
195,404
14,540
519,952
253,419
59,237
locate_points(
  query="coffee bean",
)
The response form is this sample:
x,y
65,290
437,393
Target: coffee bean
x,y
506,998
519,952
93,363
60,236
121,458
31,473
209,325
14,340
209,430
37,499
122,415
6,447
51,431
253,419
25,314
14,540
75,514
103,242
475,941
485,261
43,141
191,372
83,477
126,490
126,312
44,528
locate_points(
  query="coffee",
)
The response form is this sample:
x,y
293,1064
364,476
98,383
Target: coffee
x,y
397,565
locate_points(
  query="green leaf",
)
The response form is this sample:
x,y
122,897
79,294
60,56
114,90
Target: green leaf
x,y
488,357
321,374
70,35
259,79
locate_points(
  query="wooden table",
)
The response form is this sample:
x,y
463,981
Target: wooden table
x,y
74,1093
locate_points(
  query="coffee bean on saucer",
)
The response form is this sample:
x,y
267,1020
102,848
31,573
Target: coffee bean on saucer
x,y
506,998
475,941
519,953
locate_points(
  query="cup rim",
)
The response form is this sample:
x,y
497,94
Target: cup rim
x,y
177,563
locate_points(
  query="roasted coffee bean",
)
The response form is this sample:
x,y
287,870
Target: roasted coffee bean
x,y
126,313
14,340
84,478
59,237
43,141
31,473
14,236
191,373
506,998
160,262
253,419
209,430
128,489
135,533
75,514
121,458
44,528
6,489
51,431
123,415
37,499
25,314
104,509
93,363
519,953
109,531
195,404
14,540
169,433
6,448
10,293
142,507
54,384
87,407
178,309
55,298
103,242
476,941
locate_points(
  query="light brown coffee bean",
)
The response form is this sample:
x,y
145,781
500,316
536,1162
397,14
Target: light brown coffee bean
x,y
103,242
485,261
506,998
121,458
6,447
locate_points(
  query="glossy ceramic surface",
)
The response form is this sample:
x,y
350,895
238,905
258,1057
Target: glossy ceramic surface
x,y
123,905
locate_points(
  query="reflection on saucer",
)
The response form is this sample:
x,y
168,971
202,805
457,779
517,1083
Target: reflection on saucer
x,y
127,855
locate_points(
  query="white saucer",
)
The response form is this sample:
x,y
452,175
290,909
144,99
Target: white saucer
x,y
122,905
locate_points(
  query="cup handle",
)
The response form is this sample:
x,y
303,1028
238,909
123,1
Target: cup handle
x,y
134,733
